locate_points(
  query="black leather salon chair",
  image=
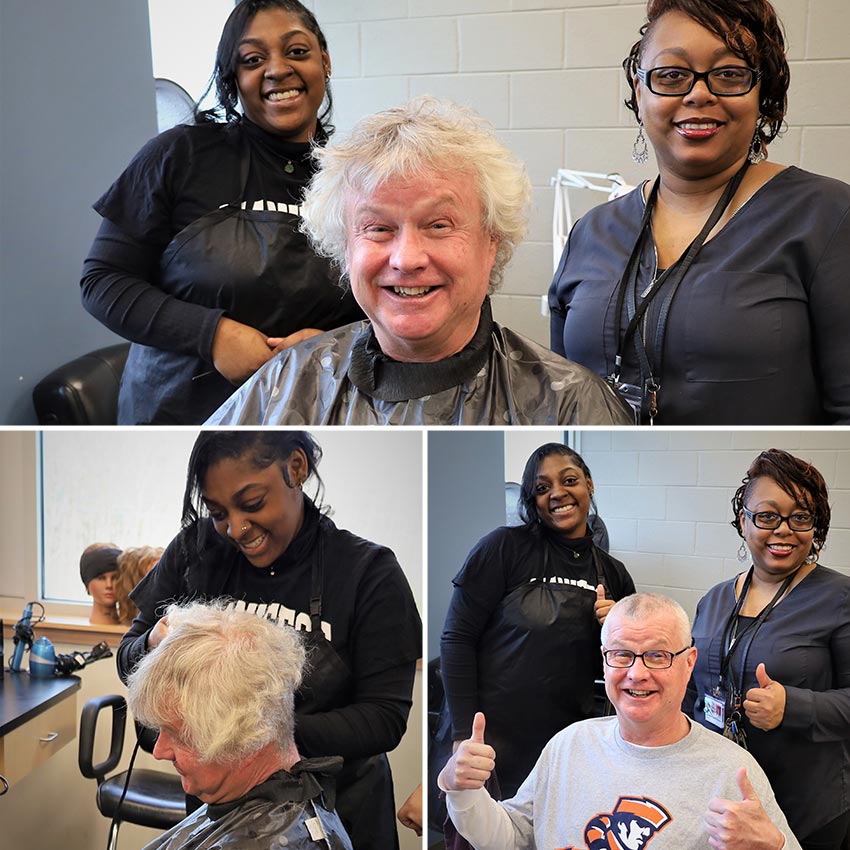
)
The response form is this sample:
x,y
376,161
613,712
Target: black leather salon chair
x,y
154,798
83,391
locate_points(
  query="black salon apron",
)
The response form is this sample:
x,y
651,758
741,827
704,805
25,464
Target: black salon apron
x,y
256,267
364,799
538,660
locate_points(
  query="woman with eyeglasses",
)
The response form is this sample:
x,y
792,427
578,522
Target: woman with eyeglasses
x,y
773,669
705,293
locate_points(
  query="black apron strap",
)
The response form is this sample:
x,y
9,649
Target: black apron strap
x,y
317,576
600,573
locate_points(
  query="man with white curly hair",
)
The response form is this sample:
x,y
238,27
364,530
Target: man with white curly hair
x,y
220,689
421,208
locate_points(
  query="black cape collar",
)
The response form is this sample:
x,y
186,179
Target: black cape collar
x,y
380,377
305,780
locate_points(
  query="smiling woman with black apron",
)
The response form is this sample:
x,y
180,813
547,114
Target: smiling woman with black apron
x,y
521,641
266,546
199,261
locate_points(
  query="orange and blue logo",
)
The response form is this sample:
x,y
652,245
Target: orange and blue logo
x,y
632,824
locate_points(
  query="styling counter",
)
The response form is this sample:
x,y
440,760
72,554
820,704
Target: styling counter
x,y
37,718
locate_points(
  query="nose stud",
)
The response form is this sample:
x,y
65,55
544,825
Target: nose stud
x,y
244,528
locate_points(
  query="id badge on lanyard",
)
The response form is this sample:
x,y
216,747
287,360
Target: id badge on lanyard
x,y
725,714
714,708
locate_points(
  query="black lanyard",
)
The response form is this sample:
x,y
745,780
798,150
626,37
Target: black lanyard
x,y
669,282
732,640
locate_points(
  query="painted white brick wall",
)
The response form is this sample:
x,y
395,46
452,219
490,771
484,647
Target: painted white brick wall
x,y
547,74
665,498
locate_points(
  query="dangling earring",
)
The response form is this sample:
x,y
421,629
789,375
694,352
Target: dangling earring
x,y
742,552
640,152
327,76
757,153
812,558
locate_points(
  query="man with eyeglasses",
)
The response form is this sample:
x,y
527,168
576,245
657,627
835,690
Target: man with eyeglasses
x,y
647,776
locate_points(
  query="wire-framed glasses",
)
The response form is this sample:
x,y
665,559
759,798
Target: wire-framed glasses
x,y
725,81
770,520
653,659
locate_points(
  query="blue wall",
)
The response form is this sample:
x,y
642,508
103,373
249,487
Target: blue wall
x,y
77,101
466,500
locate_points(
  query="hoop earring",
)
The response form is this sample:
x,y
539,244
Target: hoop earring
x,y
757,152
640,151
742,552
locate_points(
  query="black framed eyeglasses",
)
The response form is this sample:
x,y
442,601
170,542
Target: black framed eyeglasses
x,y
726,81
653,659
770,520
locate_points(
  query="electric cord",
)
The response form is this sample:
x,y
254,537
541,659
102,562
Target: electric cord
x,y
24,631
115,818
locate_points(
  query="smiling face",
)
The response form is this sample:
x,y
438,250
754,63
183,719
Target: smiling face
x,y
562,493
254,508
648,702
779,552
419,261
280,74
697,134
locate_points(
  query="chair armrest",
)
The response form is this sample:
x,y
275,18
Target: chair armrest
x,y
88,727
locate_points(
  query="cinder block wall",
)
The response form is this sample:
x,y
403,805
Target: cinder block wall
x,y
547,74
665,497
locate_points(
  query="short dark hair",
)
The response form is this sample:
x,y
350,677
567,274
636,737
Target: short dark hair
x,y
751,29
224,74
527,499
799,479
263,448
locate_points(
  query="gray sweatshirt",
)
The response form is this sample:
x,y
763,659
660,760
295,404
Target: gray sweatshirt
x,y
591,789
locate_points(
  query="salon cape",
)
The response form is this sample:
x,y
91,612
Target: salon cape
x,y
291,809
343,378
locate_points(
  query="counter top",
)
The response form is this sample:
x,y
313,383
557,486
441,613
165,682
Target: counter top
x,y
23,697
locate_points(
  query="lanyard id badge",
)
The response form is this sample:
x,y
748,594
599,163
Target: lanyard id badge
x,y
723,707
730,722
714,708
643,397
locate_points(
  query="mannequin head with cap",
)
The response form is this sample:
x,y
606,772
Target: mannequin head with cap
x,y
98,571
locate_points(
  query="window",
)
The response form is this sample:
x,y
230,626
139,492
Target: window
x,y
118,487
126,487
184,37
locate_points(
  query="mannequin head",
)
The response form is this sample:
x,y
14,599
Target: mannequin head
x,y
98,572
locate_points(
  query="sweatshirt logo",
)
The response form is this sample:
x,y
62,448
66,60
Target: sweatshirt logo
x,y
631,826
278,613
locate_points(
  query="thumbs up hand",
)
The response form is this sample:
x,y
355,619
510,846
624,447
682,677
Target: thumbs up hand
x,y
472,762
765,705
602,605
741,825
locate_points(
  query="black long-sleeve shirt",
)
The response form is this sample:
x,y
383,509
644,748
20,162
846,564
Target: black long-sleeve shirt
x,y
368,615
